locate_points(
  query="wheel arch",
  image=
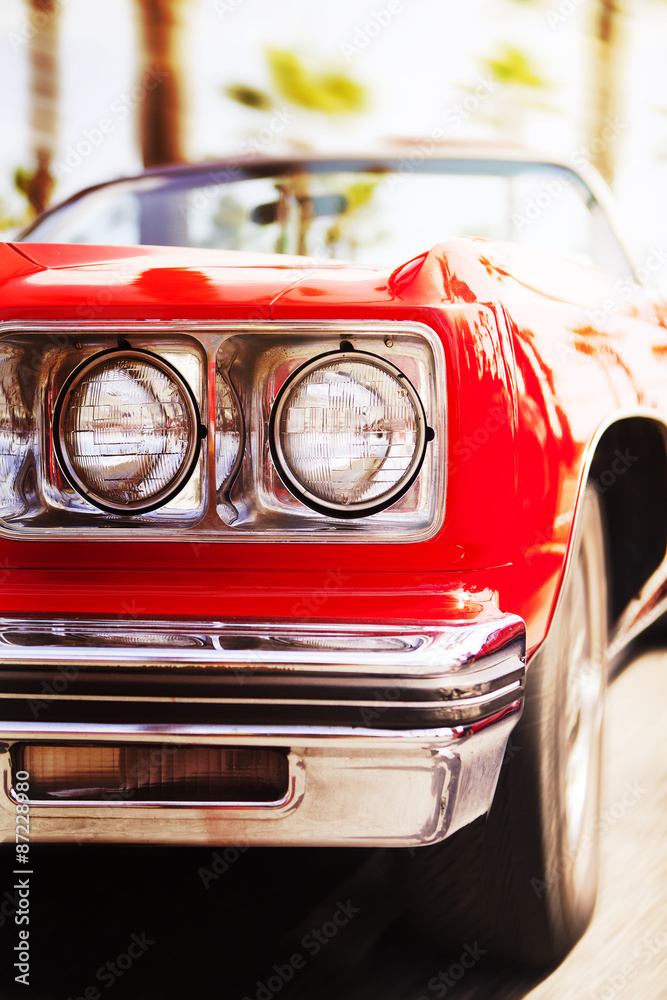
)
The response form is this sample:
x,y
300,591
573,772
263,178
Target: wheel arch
x,y
628,469
626,464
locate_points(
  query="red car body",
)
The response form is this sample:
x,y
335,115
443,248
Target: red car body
x,y
554,377
535,376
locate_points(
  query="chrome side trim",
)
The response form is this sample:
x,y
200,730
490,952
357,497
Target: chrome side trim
x,y
408,649
640,613
305,736
478,701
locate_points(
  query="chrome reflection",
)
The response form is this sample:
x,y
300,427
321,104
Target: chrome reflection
x,y
17,432
425,650
377,644
228,432
67,638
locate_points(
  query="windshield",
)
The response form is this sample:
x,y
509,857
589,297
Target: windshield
x,y
378,215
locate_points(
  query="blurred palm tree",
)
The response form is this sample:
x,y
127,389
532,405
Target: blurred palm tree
x,y
162,105
605,81
521,89
513,67
606,84
36,182
330,92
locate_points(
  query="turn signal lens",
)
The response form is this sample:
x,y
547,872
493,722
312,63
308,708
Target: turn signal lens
x,y
348,434
127,431
144,772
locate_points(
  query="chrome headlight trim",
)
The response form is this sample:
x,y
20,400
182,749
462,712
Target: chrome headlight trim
x,y
282,463
197,431
253,505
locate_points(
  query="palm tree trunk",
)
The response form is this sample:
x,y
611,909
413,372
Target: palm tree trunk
x,y
44,90
161,111
606,86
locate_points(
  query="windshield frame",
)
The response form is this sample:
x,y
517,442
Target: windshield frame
x,y
181,177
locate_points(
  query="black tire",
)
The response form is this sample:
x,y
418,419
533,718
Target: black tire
x,y
522,881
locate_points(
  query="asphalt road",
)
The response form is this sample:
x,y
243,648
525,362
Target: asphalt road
x,y
163,923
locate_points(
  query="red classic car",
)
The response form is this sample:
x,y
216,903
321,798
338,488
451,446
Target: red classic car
x,y
287,541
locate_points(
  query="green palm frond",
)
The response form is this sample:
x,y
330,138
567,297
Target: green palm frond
x,y
514,67
331,92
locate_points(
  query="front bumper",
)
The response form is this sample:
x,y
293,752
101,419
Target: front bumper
x,y
395,735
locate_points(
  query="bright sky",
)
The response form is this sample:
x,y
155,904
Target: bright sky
x,y
416,67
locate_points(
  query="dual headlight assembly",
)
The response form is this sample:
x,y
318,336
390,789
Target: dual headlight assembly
x,y
347,432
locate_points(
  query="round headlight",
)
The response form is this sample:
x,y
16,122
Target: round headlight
x,y
348,434
127,430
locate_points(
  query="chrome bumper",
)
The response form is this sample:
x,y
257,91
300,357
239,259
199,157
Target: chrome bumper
x,y
395,735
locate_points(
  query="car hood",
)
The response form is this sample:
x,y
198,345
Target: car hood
x,y
66,255
162,282
78,281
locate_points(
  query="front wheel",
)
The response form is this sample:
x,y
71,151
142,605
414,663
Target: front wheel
x,y
522,881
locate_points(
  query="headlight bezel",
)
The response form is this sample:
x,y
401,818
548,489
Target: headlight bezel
x,y
291,481
198,431
254,358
